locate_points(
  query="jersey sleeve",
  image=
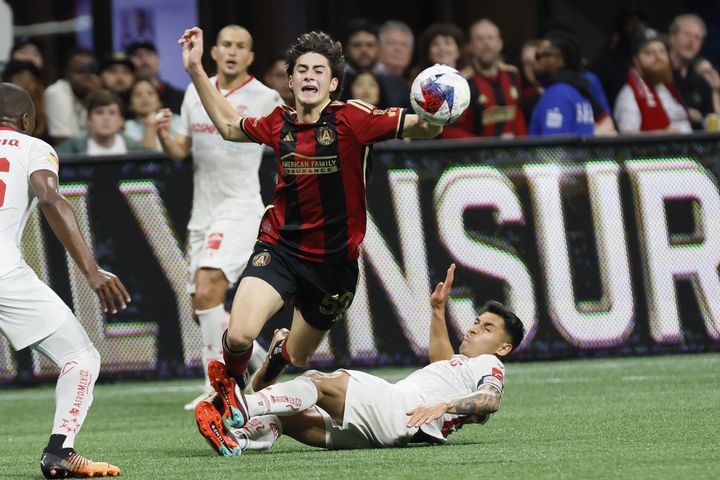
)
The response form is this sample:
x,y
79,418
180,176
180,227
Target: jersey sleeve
x,y
371,124
184,124
260,129
42,157
488,370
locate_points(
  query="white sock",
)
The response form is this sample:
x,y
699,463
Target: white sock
x,y
259,433
285,398
257,358
74,394
213,322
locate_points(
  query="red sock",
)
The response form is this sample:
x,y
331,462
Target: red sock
x,y
283,350
236,363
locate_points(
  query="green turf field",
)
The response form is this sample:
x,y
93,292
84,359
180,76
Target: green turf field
x,y
629,418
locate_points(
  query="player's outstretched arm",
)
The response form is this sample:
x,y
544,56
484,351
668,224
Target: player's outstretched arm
x,y
440,346
415,127
61,217
483,402
222,114
177,147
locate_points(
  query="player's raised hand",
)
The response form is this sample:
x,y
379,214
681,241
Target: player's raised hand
x,y
192,48
440,296
109,289
426,413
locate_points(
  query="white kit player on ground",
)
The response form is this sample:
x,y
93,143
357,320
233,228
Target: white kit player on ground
x,y
227,206
31,314
348,409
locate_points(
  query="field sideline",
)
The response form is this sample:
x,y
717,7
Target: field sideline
x,y
652,417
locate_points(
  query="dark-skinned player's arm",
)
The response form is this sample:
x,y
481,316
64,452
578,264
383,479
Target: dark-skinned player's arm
x,y
440,347
222,114
62,220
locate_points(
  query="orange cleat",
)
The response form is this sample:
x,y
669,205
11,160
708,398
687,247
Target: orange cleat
x,y
234,404
210,424
273,365
74,465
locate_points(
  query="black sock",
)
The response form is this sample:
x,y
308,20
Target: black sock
x,y
55,445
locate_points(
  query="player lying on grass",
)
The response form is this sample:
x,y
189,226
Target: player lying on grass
x,y
351,409
31,314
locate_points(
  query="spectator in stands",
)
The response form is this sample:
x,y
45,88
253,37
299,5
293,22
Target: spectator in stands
x,y
28,51
494,90
276,77
532,90
144,55
365,86
117,74
104,127
144,107
27,75
705,69
395,55
439,43
650,101
362,46
687,33
613,62
567,104
64,99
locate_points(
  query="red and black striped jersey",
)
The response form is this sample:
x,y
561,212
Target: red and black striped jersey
x,y
494,107
318,210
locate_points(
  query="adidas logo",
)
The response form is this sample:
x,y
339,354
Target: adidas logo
x,y
288,138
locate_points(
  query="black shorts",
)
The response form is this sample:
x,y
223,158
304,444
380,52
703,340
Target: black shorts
x,y
322,292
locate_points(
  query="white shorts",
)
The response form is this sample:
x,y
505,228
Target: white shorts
x,y
29,309
225,245
374,415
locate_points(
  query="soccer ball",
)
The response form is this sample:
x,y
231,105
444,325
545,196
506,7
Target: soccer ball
x,y
440,94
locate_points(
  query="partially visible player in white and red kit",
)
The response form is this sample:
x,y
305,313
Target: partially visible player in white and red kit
x,y
349,409
307,249
31,314
227,206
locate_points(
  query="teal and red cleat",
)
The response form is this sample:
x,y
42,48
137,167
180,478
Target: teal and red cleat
x,y
235,409
210,424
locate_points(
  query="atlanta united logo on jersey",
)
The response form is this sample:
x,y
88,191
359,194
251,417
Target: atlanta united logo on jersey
x,y
261,259
325,135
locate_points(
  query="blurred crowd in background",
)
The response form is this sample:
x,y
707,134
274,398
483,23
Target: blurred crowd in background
x,y
646,80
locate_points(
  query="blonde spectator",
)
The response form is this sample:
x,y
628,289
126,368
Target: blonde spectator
x,y
144,106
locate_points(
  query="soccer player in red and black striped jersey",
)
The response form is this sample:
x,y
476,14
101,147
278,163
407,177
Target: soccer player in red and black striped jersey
x,y
307,247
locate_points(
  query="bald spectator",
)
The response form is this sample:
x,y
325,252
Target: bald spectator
x,y
64,99
117,74
649,101
687,33
144,56
494,90
395,54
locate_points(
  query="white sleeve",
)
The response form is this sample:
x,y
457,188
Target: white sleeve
x,y
627,112
42,157
59,111
488,370
273,100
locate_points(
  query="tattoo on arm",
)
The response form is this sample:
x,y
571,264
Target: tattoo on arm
x,y
484,401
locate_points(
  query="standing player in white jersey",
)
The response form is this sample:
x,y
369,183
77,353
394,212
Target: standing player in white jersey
x,y
349,409
227,206
31,314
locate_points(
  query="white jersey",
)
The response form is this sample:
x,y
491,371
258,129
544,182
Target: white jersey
x,y
225,173
449,379
20,156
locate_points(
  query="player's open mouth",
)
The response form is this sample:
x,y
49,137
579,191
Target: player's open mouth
x,y
309,88
230,63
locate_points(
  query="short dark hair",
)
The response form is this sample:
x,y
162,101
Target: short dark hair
x,y
322,44
513,325
361,25
13,67
438,30
103,98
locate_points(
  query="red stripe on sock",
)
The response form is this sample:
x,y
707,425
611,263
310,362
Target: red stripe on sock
x,y
283,350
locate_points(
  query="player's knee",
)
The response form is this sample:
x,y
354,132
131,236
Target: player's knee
x,y
299,360
238,339
210,289
87,360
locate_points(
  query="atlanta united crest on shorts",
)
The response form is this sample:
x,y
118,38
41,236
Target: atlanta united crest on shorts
x,y
261,259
